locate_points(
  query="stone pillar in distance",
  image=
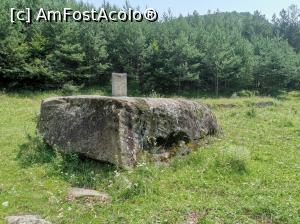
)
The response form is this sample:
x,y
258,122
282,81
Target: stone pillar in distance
x,y
119,84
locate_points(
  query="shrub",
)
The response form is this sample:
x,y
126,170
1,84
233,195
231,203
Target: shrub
x,y
251,113
154,94
135,189
69,89
233,158
247,93
35,151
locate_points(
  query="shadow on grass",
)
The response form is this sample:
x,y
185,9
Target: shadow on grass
x,y
82,172
74,168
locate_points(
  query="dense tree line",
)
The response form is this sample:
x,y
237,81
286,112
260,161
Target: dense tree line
x,y
221,52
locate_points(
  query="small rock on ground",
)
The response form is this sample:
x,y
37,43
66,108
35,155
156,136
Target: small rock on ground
x,y
162,157
76,193
192,218
26,219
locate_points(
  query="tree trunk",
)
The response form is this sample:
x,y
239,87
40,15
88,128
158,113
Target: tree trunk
x,y
178,85
140,79
217,85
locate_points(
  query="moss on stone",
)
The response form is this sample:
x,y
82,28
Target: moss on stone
x,y
141,106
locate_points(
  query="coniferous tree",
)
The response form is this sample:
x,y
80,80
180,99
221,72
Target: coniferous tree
x,y
220,52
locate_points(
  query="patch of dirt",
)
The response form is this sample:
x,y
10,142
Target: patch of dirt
x,y
162,157
179,149
263,219
265,104
194,217
226,106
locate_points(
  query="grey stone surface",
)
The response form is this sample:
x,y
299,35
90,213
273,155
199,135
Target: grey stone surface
x,y
118,129
25,219
119,84
76,193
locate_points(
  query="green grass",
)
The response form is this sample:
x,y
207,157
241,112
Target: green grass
x,y
251,174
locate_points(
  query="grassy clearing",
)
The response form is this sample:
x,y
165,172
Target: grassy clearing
x,y
250,175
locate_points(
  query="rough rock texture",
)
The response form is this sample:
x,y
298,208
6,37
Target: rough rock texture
x,y
117,129
76,193
26,219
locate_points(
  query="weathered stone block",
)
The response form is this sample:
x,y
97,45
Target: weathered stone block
x,y
25,219
117,129
119,84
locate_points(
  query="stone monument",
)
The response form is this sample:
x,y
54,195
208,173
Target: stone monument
x,y
119,84
118,129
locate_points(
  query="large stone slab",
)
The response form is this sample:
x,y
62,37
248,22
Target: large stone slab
x,y
77,193
25,219
117,129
